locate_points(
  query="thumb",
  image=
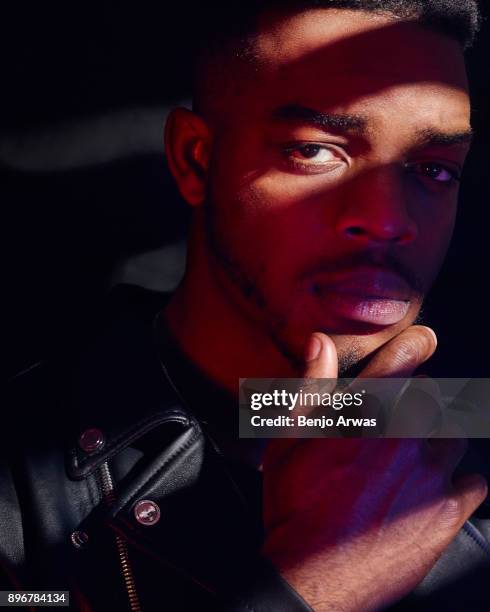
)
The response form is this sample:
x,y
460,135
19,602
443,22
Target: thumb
x,y
321,359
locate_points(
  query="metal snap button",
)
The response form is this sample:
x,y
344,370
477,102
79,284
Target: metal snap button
x,y
79,539
91,440
147,512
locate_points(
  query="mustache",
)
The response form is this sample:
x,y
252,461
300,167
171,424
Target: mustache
x,y
386,261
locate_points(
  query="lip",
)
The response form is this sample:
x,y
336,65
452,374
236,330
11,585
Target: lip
x,y
366,294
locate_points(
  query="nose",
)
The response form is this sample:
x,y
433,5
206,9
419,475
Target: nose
x,y
375,210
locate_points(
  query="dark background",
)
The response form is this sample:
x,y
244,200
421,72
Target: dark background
x,y
87,199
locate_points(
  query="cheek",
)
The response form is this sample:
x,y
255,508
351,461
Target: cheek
x,y
435,226
289,210
267,213
286,220
257,202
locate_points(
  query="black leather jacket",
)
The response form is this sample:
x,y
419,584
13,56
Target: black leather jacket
x,y
112,489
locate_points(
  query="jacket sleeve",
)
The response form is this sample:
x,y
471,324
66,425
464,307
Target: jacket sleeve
x,y
263,589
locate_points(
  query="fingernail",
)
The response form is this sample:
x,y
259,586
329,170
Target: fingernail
x,y
313,348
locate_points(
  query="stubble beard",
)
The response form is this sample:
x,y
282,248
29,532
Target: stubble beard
x,y
274,325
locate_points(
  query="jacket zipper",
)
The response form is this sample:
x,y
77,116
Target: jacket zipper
x,y
107,485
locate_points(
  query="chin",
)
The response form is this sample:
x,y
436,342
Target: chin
x,y
354,349
355,341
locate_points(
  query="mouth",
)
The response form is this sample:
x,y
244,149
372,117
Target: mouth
x,y
369,295
373,310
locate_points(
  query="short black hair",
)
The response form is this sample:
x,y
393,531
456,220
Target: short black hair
x,y
226,31
236,19
459,19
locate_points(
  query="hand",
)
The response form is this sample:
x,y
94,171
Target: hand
x,y
355,524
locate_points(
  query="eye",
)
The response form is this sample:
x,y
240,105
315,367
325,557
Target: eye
x,y
436,171
314,157
317,153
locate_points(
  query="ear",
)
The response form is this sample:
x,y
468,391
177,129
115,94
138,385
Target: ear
x,y
188,146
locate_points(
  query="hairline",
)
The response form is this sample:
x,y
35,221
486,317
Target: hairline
x,y
242,47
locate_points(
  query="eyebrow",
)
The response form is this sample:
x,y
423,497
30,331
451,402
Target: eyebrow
x,y
326,121
359,125
430,137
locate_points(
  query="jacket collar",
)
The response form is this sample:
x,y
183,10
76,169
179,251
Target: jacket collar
x,y
119,386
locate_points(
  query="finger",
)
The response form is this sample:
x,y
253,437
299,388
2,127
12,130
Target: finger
x,y
403,354
321,357
320,375
393,364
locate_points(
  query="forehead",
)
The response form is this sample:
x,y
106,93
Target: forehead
x,y
341,59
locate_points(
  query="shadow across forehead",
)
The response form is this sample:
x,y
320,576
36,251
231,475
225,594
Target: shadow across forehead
x,y
294,60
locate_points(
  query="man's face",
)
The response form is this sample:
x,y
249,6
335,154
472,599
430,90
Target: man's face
x,y
334,176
